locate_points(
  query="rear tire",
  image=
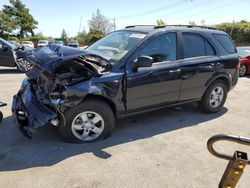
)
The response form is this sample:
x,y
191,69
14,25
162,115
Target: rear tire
x,y
214,98
90,121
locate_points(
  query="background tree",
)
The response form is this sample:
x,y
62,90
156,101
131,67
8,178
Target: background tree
x,y
92,37
203,23
239,31
191,23
6,25
160,22
99,23
81,37
64,35
24,21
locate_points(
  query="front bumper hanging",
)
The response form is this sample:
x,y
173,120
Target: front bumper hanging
x,y
29,113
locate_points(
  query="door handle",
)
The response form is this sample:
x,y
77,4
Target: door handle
x,y
215,64
175,71
187,76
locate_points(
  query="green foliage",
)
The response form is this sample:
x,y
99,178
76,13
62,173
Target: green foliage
x,y
6,25
19,14
81,37
92,37
239,31
160,22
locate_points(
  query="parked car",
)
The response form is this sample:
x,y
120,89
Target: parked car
x,y
130,71
244,53
42,43
83,47
14,42
29,44
14,56
73,43
58,42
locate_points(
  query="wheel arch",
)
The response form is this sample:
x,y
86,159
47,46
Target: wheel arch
x,y
226,79
102,98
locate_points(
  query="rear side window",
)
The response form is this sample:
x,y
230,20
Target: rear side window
x,y
225,42
195,46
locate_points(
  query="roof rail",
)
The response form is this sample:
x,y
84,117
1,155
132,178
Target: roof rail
x,y
187,26
130,26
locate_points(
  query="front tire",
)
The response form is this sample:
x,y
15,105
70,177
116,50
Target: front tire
x,y
90,121
214,98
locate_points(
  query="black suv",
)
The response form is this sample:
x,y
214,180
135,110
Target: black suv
x,y
137,69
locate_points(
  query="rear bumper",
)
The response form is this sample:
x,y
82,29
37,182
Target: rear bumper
x,y
29,113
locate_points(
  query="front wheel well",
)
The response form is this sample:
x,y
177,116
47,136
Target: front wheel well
x,y
106,100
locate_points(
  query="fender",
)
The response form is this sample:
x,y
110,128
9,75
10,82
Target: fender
x,y
227,78
108,88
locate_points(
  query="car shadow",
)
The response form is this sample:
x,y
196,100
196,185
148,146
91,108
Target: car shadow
x,y
9,71
46,148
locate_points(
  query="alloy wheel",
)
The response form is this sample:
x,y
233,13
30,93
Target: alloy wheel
x,y
243,70
87,126
216,97
23,65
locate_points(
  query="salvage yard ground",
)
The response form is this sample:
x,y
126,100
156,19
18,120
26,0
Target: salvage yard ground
x,y
165,148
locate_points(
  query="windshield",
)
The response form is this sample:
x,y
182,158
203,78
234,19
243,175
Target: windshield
x,y
117,44
243,51
8,43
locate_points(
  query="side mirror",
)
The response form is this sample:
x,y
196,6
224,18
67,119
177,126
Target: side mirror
x,y
143,61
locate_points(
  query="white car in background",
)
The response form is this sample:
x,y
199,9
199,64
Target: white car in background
x,y
73,43
28,44
59,42
42,43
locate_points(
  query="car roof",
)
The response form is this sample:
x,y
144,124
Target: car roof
x,y
150,29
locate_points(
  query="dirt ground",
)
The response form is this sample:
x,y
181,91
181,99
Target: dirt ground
x,y
165,148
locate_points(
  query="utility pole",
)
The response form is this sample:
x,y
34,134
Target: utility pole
x,y
114,24
80,26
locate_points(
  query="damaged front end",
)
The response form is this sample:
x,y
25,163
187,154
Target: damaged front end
x,y
29,113
60,79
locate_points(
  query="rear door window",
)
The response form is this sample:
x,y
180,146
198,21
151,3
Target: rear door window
x,y
195,45
225,42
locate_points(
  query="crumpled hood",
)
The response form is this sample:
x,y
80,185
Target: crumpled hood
x,y
54,53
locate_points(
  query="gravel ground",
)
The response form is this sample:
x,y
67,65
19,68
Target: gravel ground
x,y
165,148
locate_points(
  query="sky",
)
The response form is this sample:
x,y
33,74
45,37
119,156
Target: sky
x,y
54,15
